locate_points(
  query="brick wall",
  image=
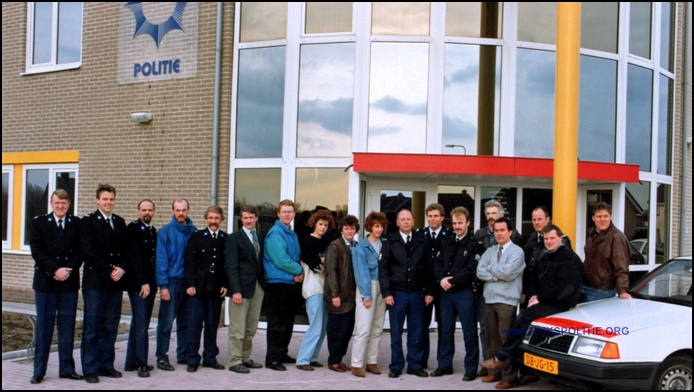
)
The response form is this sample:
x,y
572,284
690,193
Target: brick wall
x,y
87,110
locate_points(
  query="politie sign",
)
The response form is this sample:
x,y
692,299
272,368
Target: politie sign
x,y
157,41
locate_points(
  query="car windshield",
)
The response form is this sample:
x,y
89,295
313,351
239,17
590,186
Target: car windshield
x,y
671,282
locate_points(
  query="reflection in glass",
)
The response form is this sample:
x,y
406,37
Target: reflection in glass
x,y
640,29
261,188
392,201
599,26
66,182
35,198
665,126
325,100
667,18
69,32
263,21
534,135
5,203
322,187
537,22
474,19
472,83
639,100
43,32
505,196
662,224
636,213
533,198
398,97
594,197
597,122
400,18
451,196
326,17
260,109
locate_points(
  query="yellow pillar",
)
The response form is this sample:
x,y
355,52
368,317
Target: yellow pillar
x,y
566,117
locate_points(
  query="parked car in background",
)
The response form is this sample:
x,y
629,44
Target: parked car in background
x,y
640,246
644,342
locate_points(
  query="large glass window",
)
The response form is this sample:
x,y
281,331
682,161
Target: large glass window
x,y
667,17
505,196
326,17
537,22
639,116
400,18
326,90
55,39
325,187
263,21
534,133
599,26
597,113
451,196
474,19
39,184
472,84
533,198
665,126
640,29
636,214
662,223
261,188
260,107
398,97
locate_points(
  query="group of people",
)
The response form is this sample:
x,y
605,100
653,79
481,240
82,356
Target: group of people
x,y
348,286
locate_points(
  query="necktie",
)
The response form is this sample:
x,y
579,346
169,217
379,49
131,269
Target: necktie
x,y
498,255
214,236
433,235
255,243
108,220
408,240
61,229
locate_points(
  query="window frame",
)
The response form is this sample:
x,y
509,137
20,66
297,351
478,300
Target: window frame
x,y
9,169
53,65
52,169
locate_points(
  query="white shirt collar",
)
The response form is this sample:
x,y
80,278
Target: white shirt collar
x,y
404,236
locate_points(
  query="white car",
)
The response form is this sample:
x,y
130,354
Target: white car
x,y
644,342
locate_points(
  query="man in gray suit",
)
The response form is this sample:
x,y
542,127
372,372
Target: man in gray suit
x,y
244,266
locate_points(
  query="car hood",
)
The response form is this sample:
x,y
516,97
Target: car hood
x,y
609,317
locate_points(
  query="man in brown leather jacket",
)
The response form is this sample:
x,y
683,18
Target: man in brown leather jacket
x,y
606,267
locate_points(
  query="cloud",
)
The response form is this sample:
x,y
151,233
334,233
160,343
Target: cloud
x,y
393,105
456,128
387,130
334,115
464,75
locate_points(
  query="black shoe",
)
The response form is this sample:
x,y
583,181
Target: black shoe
x,y
181,361
110,373
441,372
394,373
277,365
240,368
143,371
252,365
73,376
192,368
215,365
134,368
418,373
36,379
286,359
165,365
91,378
469,376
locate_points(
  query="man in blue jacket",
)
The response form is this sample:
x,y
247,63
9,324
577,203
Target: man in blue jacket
x,y
282,271
171,246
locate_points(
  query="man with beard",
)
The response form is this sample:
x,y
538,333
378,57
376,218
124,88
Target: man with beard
x,y
142,287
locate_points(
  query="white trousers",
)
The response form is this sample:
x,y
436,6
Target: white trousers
x,y
368,327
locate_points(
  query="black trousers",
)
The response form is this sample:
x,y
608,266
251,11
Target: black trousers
x,y
280,320
434,308
339,331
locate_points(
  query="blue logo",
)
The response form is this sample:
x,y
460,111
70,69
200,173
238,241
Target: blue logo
x,y
156,31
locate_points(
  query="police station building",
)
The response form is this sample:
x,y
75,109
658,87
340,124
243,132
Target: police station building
x,y
352,106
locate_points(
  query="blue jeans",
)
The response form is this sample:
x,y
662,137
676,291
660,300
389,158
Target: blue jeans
x,y
101,318
138,338
315,334
460,303
47,306
589,294
168,310
410,306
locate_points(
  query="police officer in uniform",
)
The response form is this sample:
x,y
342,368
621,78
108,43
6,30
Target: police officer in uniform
x,y
104,248
433,234
206,285
54,246
142,286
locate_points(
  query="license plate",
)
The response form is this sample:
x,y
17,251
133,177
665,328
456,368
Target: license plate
x,y
541,364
